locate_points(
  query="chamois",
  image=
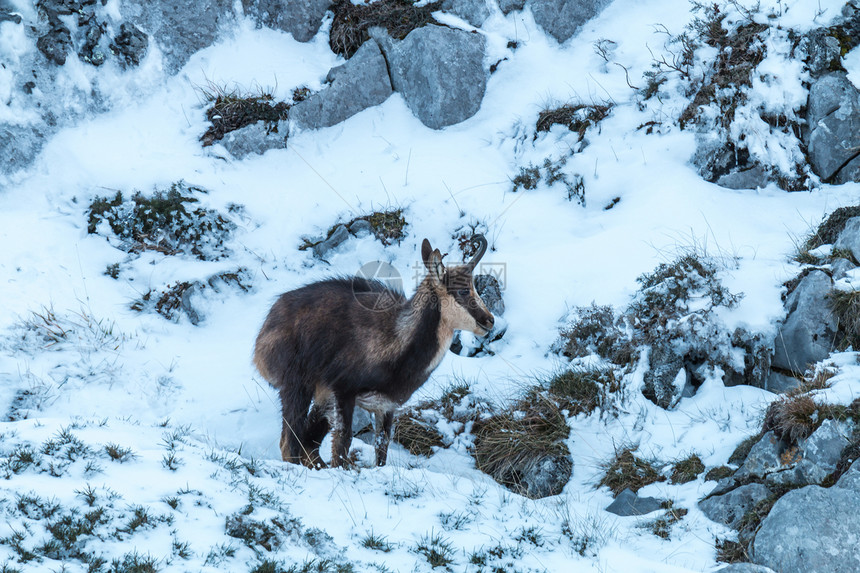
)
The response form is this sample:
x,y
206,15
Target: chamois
x,y
339,342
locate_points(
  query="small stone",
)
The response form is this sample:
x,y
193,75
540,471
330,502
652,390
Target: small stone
x,y
629,503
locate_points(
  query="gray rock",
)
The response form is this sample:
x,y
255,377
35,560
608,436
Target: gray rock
x,y
475,12
764,458
811,530
849,238
807,335
361,228
508,6
130,44
659,383
816,456
628,503
840,267
301,18
490,291
561,19
340,235
439,72
851,479
823,52
180,28
780,383
756,177
729,508
360,83
256,138
833,116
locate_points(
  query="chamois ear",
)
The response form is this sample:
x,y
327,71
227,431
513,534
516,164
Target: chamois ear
x,y
432,260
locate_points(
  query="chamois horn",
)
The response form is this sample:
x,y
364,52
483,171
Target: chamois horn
x,y
482,248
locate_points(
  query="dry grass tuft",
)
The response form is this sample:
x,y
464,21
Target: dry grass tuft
x,y
349,29
794,418
687,469
627,471
416,435
846,308
533,429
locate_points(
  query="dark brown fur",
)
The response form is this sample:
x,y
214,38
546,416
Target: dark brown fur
x,y
333,343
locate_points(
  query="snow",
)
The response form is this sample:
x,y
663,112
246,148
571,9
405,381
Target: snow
x,y
134,378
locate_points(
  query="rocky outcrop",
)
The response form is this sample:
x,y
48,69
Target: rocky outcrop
x,y
833,137
439,72
561,19
812,530
360,83
301,18
807,335
180,29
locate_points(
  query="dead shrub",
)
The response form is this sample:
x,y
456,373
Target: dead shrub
x,y
576,117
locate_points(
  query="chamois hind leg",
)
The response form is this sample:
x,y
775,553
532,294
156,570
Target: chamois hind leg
x,y
341,435
315,430
294,411
382,434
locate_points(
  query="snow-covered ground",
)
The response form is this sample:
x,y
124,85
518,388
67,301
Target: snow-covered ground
x,y
202,426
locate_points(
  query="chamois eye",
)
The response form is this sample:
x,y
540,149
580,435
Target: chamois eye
x,y
463,292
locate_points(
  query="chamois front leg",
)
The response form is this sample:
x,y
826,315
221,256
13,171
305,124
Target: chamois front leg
x,y
384,423
341,435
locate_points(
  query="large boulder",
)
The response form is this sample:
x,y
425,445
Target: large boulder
x,y
301,18
833,133
360,83
561,19
811,530
439,72
179,28
808,333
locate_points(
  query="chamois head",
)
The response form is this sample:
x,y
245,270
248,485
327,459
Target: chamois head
x,y
462,308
